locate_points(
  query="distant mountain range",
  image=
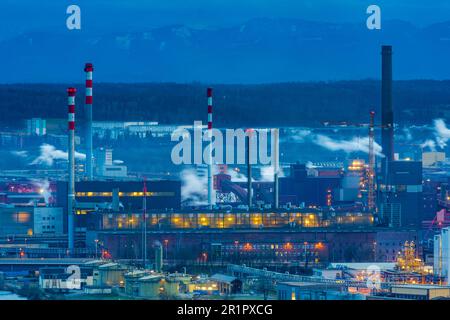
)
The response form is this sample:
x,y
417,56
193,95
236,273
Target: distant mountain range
x,y
259,51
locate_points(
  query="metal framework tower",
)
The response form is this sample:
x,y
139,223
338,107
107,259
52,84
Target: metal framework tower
x,y
71,92
89,69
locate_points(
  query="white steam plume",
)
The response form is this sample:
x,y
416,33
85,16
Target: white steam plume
x,y
353,145
300,135
193,187
236,176
441,132
44,189
49,154
20,154
267,174
431,144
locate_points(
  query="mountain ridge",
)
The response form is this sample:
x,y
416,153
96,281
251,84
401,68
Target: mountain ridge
x,y
261,50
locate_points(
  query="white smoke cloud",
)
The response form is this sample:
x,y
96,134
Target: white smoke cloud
x,y
310,165
441,132
407,134
44,189
49,154
20,154
300,135
193,187
353,145
431,144
236,176
267,174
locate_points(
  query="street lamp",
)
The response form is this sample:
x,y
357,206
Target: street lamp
x,y
96,248
166,242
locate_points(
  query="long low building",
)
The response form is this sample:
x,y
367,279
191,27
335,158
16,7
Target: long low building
x,y
160,194
302,246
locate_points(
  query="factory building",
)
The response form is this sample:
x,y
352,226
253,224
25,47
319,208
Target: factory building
x,y
401,200
161,194
16,220
414,292
30,220
441,254
432,159
314,190
310,245
48,221
145,285
236,219
313,291
37,127
109,274
91,196
106,166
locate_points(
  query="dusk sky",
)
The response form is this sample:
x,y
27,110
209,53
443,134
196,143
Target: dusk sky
x,y
120,15
232,38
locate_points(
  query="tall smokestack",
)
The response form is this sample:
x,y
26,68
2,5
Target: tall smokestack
x,y
387,115
249,169
71,188
276,165
89,69
211,199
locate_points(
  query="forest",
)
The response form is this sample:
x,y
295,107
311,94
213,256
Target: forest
x,y
278,104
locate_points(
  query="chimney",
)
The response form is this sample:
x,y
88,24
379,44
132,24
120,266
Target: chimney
x,y
211,200
249,168
276,165
387,115
71,92
89,68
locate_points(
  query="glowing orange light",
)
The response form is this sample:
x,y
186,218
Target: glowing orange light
x,y
319,246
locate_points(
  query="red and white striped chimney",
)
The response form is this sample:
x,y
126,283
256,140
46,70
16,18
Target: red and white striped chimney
x,y
210,162
209,96
89,69
71,92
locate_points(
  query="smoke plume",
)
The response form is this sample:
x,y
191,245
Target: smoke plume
x,y
49,154
353,145
194,188
441,132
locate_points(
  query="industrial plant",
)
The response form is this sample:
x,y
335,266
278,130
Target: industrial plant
x,y
96,209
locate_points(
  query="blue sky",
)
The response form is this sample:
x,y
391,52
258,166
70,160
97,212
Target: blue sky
x,y
18,16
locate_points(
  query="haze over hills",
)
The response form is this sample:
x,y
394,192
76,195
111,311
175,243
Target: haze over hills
x,y
258,51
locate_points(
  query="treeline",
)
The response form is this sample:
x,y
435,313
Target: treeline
x,y
281,104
